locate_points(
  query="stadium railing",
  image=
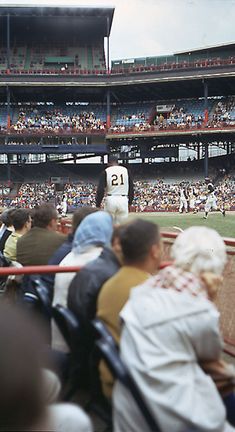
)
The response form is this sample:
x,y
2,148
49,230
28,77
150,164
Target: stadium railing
x,y
171,128
198,64
153,130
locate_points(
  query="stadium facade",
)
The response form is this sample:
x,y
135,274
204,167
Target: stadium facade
x,y
61,101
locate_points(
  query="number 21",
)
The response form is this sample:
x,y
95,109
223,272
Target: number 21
x,y
117,180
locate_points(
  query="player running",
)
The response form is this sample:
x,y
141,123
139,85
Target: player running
x,y
183,199
211,203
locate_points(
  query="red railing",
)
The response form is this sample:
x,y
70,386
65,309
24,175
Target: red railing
x,y
171,128
44,269
227,240
198,64
128,131
55,132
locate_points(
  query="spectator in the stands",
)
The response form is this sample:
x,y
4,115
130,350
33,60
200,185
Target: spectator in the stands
x,y
7,227
66,247
141,250
94,232
22,224
85,286
25,395
171,326
38,245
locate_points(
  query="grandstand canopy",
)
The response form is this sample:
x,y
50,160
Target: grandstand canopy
x,y
146,91
209,49
95,21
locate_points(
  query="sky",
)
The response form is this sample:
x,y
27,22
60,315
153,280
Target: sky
x,y
144,28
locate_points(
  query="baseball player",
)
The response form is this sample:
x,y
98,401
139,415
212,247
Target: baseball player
x,y
117,184
183,199
211,203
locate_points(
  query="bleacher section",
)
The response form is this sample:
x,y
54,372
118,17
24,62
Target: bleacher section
x,y
130,116
57,58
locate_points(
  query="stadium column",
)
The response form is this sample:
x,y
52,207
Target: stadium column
x,y
8,167
108,120
206,159
198,150
206,115
108,69
8,43
8,108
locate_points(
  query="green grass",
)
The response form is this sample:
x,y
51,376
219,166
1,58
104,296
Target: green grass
x,y
224,225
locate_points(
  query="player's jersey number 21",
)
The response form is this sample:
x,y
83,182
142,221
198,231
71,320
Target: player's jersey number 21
x,y
117,180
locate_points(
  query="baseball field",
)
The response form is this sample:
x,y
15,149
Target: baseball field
x,y
171,221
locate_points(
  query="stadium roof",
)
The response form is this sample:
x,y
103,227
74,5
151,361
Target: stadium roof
x,y
105,14
220,47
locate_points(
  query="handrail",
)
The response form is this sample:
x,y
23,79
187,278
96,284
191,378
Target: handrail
x,y
43,269
229,241
39,269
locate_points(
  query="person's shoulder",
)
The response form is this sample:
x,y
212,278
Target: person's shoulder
x,y
112,281
24,237
56,235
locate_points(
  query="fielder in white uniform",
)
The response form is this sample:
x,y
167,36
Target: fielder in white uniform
x,y
211,203
183,200
115,181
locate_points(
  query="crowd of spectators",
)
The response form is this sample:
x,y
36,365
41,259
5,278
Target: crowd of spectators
x,y
32,194
169,326
150,195
162,196
33,120
179,119
59,120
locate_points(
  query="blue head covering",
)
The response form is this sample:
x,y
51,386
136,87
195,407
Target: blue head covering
x,y
95,230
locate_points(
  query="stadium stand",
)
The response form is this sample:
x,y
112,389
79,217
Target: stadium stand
x,y
183,113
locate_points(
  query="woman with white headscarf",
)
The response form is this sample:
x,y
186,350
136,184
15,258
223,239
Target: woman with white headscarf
x,y
170,326
94,232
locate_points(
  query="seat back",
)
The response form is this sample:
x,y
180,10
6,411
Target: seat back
x,y
43,297
109,351
101,331
120,372
69,326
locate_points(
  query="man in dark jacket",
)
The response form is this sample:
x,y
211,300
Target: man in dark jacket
x,y
85,286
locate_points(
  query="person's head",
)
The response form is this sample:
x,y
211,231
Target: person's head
x,y
21,396
113,160
141,245
21,220
116,242
80,214
95,230
199,250
6,217
45,216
